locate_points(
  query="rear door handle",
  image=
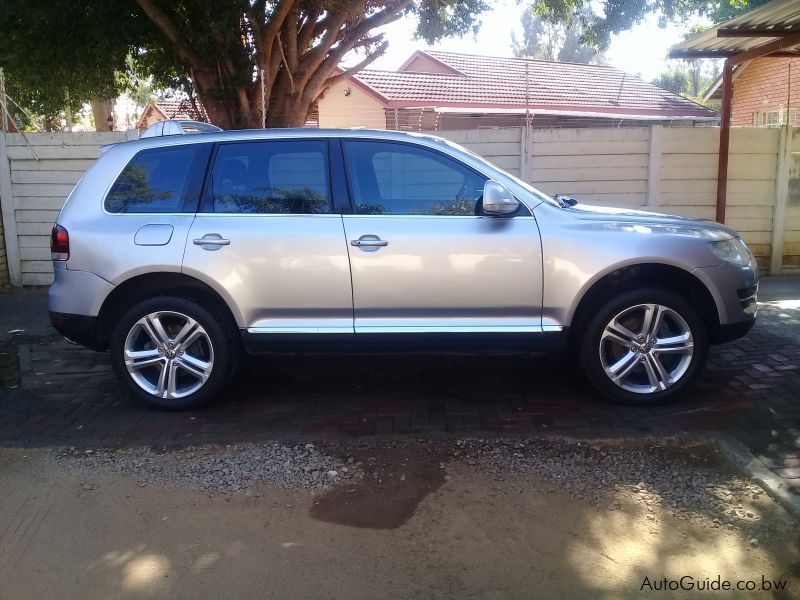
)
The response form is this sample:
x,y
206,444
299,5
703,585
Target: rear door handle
x,y
211,241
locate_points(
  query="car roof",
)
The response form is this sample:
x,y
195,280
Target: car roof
x,y
283,133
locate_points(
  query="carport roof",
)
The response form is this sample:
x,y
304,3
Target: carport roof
x,y
779,20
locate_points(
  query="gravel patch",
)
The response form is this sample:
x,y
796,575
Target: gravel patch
x,y
694,480
230,468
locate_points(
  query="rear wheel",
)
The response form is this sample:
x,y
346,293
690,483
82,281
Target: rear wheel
x,y
644,347
173,353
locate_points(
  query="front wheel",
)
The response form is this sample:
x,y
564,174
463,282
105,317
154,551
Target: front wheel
x,y
644,347
172,353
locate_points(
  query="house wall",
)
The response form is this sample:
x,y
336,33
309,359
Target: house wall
x,y
765,83
408,120
359,109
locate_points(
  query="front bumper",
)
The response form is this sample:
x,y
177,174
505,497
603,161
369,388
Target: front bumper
x,y
735,292
733,331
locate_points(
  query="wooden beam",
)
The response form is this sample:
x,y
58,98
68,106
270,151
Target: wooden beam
x,y
724,53
756,32
770,48
724,140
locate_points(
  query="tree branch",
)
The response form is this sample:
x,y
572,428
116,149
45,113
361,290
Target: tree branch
x,y
355,69
275,22
306,33
353,37
162,20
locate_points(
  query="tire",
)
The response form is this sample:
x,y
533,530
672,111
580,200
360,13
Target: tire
x,y
629,373
173,353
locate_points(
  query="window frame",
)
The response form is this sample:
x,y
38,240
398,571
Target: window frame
x,y
198,172
791,114
205,206
343,143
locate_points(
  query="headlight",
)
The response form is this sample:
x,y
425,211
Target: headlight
x,y
733,251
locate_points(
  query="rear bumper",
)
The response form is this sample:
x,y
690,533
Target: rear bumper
x,y
77,328
78,292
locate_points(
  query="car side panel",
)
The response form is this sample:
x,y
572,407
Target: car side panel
x,y
282,273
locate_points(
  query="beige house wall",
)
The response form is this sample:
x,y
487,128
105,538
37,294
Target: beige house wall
x,y
357,109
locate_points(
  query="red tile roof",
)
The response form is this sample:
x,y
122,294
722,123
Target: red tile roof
x,y
492,82
181,109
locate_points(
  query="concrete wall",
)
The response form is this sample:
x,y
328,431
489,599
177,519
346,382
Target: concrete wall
x,y
3,257
42,175
358,109
672,170
663,169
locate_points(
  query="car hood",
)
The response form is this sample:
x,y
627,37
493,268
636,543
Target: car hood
x,y
610,217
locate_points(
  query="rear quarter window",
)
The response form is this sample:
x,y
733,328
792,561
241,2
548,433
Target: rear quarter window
x,y
160,180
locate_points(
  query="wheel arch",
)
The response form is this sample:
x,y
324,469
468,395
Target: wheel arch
x,y
640,275
139,287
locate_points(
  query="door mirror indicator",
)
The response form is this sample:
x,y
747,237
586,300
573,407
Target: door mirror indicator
x,y
498,200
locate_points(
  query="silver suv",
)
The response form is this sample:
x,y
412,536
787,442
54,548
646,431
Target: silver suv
x,y
178,253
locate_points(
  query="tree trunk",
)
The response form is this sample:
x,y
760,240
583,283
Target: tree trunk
x,y
101,109
284,109
286,112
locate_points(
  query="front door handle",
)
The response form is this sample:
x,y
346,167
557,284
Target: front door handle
x,y
368,243
211,241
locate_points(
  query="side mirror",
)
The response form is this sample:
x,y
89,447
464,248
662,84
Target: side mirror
x,y
497,200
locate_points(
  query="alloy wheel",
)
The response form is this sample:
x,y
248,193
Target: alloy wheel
x,y
168,354
646,348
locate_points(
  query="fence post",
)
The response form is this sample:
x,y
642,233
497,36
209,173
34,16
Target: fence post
x,y
654,167
781,198
525,139
9,216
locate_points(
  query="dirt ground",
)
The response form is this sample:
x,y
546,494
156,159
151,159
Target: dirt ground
x,y
428,527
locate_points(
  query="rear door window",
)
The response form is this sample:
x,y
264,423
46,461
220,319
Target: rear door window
x,y
270,177
160,180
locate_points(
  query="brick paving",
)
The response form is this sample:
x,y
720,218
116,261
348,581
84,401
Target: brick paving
x,y
53,393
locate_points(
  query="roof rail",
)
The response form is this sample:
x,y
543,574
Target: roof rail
x,y
178,127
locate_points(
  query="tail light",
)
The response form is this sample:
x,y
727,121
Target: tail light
x,y
59,243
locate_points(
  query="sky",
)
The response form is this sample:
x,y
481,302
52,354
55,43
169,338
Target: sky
x,y
641,50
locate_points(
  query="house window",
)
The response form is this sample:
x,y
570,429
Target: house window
x,y
774,117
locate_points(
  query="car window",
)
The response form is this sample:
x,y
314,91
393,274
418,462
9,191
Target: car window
x,y
270,177
399,179
160,180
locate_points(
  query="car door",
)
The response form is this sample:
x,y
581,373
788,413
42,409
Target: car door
x,y
267,237
423,258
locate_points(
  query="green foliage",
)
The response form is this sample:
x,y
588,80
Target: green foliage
x,y
50,49
548,40
674,80
215,50
622,15
438,19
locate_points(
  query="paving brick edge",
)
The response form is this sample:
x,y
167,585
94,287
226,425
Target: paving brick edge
x,y
741,457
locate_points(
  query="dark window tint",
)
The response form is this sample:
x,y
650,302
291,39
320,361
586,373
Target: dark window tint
x,y
270,177
160,180
399,179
